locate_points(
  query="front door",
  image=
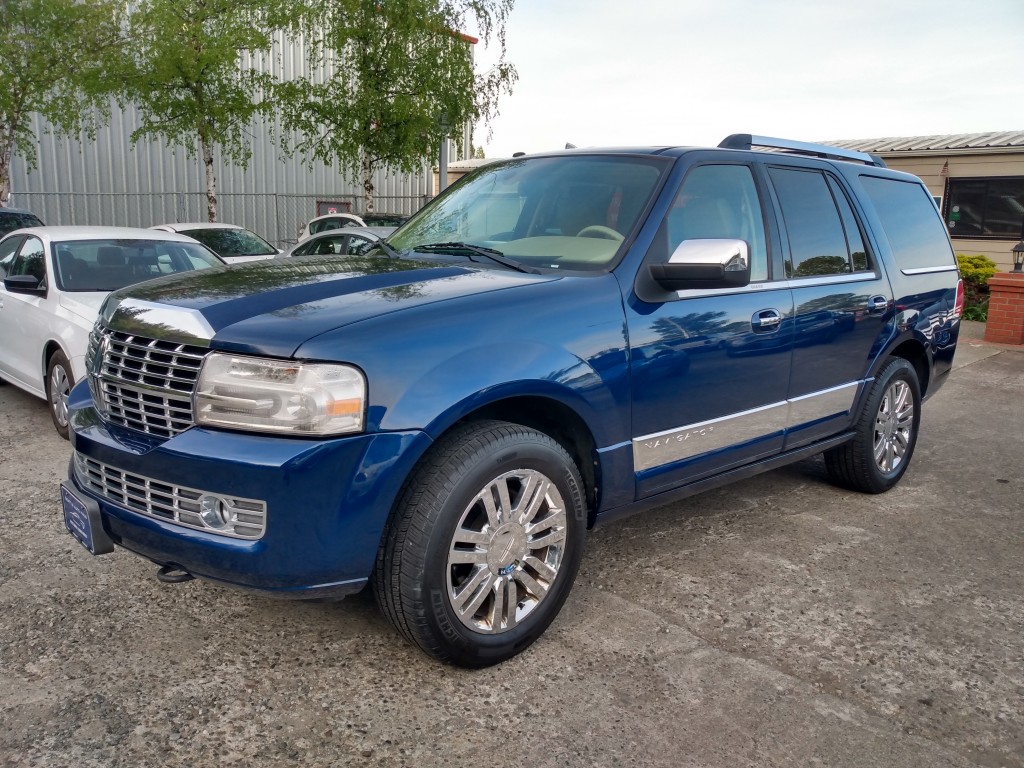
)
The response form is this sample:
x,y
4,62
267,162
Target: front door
x,y
25,319
710,369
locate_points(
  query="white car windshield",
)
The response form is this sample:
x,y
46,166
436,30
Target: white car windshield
x,y
106,265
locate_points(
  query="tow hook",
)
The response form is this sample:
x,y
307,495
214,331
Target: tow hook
x,y
172,574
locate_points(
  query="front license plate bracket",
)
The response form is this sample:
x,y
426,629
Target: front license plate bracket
x,y
83,521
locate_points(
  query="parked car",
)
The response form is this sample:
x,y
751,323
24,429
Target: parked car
x,y
328,222
547,346
17,218
385,219
54,280
350,241
232,243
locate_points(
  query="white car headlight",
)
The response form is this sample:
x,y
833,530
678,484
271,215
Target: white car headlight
x,y
266,395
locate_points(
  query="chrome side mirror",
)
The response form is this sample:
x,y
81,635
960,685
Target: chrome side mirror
x,y
705,264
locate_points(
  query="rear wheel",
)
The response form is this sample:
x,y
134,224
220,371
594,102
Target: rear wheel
x,y
482,550
886,433
58,387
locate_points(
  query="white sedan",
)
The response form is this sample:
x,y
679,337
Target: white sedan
x,y
54,281
330,221
350,241
232,243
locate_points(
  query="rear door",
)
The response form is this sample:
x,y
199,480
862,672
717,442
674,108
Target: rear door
x,y
841,296
709,369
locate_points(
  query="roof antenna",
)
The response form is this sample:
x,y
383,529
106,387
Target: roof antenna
x,y
569,146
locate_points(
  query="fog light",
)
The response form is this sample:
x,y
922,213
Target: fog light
x,y
214,512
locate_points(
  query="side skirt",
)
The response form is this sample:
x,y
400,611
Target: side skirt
x,y
740,473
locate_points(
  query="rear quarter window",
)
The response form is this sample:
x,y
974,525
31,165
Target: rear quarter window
x,y
911,222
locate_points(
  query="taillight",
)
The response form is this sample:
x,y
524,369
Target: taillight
x,y
958,305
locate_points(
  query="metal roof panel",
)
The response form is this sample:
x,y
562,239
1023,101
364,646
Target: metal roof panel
x,y
935,143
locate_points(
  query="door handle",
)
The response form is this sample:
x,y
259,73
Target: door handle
x,y
878,304
766,320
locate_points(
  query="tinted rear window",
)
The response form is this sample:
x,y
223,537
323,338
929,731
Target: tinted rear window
x,y
12,220
911,222
232,242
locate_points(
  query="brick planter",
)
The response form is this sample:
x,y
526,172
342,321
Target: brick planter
x,y
1005,324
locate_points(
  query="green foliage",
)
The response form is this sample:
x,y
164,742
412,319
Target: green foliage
x,y
975,269
976,311
185,70
55,60
389,80
401,81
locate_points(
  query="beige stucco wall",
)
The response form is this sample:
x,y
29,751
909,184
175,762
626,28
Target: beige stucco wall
x,y
929,168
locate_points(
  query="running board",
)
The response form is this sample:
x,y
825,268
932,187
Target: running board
x,y
716,481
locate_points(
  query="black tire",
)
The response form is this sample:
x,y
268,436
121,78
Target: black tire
x,y
416,584
875,460
59,381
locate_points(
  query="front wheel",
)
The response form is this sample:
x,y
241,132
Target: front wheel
x,y
58,387
483,547
886,433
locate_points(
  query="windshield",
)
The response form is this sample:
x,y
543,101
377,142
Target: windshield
x,y
233,242
106,265
566,212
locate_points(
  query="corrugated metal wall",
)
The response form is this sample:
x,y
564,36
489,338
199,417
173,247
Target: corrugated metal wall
x,y
108,181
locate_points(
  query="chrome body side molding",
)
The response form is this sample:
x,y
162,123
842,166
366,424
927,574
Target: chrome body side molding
x,y
685,442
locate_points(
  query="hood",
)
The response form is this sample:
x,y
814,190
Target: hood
x,y
272,307
83,304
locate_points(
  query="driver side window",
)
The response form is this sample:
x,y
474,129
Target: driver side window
x,y
719,202
31,261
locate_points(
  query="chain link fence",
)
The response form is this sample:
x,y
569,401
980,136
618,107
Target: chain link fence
x,y
277,217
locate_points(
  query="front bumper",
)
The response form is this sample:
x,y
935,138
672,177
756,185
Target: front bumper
x,y
327,500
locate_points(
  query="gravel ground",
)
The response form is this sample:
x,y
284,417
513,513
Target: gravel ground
x,y
779,621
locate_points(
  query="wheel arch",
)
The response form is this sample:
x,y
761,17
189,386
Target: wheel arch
x,y
555,419
49,348
916,353
562,424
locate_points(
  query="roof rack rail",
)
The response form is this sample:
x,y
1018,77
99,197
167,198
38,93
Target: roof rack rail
x,y
748,141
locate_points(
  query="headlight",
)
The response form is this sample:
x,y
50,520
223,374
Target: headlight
x,y
280,396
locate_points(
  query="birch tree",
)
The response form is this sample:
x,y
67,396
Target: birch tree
x,y
393,80
185,73
55,56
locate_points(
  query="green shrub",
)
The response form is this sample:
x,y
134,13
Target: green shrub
x,y
975,269
976,312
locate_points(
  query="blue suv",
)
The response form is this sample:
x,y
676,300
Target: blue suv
x,y
555,342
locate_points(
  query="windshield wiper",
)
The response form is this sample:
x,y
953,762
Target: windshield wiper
x,y
489,253
383,245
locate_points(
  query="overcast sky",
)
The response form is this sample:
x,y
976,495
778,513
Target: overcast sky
x,y
615,72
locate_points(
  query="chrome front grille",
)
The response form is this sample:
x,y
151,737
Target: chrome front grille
x,y
144,384
241,518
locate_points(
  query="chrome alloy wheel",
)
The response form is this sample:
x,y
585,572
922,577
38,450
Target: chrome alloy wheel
x,y
894,424
60,388
506,551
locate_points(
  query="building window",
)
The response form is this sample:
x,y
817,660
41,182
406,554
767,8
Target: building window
x,y
985,208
